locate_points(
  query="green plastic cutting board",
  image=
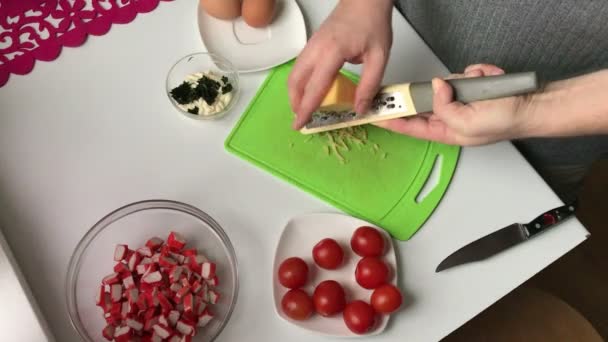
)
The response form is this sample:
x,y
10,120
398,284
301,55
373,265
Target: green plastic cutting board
x,y
380,191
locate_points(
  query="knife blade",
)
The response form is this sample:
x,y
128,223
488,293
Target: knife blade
x,y
507,237
400,100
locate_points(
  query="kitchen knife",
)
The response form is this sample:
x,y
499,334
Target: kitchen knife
x,y
408,99
507,237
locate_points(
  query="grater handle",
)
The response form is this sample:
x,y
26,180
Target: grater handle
x,y
476,89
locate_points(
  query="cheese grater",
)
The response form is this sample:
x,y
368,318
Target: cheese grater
x,y
407,99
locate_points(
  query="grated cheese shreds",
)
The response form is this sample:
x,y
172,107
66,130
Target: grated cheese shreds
x,y
344,140
334,147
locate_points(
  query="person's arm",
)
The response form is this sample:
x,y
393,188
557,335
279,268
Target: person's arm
x,y
357,31
576,106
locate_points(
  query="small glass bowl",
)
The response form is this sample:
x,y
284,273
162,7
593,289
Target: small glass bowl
x,y
202,62
133,225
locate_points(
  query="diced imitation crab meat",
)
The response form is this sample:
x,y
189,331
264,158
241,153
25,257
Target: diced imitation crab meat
x,y
162,291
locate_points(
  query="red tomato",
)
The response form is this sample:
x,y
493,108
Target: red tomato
x,y
386,299
359,317
329,298
293,273
367,241
371,272
296,304
328,254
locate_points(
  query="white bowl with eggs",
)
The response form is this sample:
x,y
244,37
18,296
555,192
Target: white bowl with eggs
x,y
254,34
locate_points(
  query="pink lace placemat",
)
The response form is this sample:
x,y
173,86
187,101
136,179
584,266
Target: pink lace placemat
x,y
33,30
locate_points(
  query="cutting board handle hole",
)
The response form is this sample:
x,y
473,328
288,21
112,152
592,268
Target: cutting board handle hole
x,y
432,180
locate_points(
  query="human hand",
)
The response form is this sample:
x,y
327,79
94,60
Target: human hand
x,y
357,31
476,123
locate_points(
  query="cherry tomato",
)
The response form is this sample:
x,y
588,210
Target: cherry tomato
x,y
386,299
293,273
329,298
371,272
328,254
359,317
367,241
296,304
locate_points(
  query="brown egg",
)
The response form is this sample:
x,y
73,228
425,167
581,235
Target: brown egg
x,y
258,13
222,9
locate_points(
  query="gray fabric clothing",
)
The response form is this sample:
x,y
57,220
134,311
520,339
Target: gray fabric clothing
x,y
558,39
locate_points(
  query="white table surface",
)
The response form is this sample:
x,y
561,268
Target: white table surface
x,y
93,130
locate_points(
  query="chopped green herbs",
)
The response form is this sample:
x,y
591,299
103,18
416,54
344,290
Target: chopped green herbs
x,y
206,87
226,88
183,93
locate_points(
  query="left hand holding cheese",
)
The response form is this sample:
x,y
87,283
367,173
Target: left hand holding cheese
x,y
356,31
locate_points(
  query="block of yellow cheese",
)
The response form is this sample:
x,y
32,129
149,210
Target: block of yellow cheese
x,y
341,95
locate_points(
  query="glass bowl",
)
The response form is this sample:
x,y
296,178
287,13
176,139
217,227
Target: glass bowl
x,y
133,225
202,62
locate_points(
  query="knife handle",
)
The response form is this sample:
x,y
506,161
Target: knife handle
x,y
551,218
468,90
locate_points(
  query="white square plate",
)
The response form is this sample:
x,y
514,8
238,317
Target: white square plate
x,y
251,49
300,235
